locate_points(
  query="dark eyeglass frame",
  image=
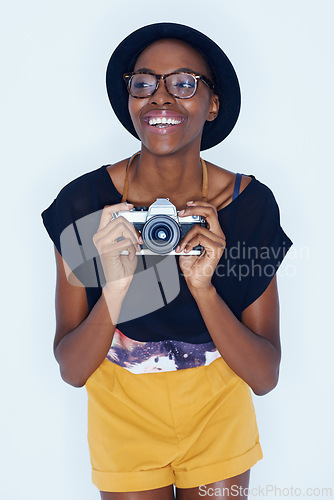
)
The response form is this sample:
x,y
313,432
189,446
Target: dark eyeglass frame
x,y
128,77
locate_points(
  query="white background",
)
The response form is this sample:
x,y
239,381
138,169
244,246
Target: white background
x,y
57,124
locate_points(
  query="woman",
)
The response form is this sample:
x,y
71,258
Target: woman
x,y
169,345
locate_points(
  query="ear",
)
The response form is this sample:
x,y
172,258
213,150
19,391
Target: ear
x,y
213,108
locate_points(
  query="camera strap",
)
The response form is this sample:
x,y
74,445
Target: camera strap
x,y
126,180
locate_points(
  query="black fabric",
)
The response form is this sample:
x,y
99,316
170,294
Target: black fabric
x,y
158,305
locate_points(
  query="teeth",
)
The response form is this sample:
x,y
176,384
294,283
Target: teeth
x,y
163,121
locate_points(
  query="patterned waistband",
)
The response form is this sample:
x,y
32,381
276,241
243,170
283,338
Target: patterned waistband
x,y
163,356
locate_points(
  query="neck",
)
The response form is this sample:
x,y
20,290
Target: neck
x,y
177,177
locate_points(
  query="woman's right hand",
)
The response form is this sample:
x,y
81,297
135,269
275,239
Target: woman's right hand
x,y
118,269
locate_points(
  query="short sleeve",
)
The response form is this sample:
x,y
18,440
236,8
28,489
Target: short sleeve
x,y
51,224
71,221
61,226
265,246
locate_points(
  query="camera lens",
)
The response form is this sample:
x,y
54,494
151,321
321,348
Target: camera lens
x,y
161,234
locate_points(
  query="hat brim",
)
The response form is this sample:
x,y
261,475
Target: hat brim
x,y
228,86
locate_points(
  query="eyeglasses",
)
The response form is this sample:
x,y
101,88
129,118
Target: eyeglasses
x,y
142,84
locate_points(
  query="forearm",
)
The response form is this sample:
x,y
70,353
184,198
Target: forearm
x,y
251,356
81,351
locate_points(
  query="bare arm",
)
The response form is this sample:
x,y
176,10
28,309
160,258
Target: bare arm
x,y
82,339
250,347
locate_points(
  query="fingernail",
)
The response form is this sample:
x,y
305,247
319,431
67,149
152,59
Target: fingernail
x,y
181,212
138,248
140,239
129,204
188,202
177,248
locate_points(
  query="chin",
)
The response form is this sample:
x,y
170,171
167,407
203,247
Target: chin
x,y
165,148
162,148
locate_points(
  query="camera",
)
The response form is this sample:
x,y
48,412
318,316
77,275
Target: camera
x,y
161,228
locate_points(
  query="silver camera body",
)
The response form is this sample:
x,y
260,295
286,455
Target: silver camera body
x,y
161,228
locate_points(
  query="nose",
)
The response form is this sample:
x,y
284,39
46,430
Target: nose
x,y
161,96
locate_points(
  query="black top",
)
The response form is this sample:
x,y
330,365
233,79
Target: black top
x,y
158,304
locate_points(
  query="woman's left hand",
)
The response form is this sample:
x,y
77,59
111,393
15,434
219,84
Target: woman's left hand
x,y
198,269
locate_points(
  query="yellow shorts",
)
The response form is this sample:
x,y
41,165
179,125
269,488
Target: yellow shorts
x,y
189,427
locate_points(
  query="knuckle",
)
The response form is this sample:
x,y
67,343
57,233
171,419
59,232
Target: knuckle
x,y
96,240
102,245
106,208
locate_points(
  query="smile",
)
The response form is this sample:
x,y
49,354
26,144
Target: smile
x,y
163,122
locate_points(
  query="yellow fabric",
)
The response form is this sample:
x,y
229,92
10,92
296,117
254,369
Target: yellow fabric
x,y
188,427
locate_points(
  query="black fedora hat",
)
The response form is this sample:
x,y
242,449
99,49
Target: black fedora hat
x,y
228,90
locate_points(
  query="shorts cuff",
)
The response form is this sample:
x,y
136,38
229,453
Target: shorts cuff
x,y
133,481
218,472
